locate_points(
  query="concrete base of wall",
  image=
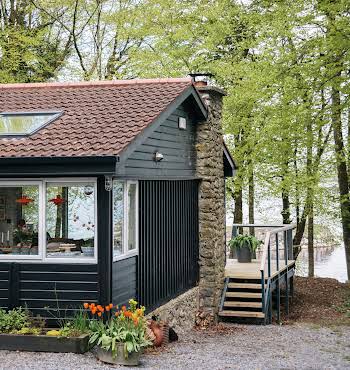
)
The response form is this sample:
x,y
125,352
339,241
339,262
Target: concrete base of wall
x,y
180,312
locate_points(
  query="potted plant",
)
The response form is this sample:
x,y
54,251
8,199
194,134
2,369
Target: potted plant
x,y
22,238
120,335
245,246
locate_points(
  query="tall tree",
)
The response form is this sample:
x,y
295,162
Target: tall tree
x,y
31,45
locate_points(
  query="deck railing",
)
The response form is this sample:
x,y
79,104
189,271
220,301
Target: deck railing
x,y
269,267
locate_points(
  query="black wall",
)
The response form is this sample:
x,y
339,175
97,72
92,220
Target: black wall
x,y
124,283
37,286
177,146
168,241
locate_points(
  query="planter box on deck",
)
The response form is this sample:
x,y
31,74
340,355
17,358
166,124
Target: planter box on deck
x,y
44,343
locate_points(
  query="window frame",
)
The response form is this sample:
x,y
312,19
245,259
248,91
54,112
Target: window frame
x,y
125,237
68,181
41,256
56,114
29,257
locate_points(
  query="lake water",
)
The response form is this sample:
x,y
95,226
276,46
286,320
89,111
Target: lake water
x,y
329,262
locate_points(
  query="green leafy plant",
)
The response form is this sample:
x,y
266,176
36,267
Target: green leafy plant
x,y
23,236
241,241
76,326
20,321
111,326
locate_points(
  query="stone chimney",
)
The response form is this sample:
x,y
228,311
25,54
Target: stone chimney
x,y
210,169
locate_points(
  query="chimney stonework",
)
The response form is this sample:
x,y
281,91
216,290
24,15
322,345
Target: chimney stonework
x,y
209,147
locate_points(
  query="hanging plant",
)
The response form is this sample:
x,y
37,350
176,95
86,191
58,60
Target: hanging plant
x,y
57,201
24,200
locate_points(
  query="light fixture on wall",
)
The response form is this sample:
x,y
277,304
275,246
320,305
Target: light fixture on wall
x,y
108,183
182,123
158,156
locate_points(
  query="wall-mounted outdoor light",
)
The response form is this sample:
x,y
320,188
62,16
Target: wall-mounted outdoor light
x,y
158,156
182,123
108,183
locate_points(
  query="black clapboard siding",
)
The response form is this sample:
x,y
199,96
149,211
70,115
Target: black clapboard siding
x,y
38,285
168,234
4,285
124,281
177,147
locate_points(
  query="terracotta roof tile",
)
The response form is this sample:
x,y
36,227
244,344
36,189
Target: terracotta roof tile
x,y
100,118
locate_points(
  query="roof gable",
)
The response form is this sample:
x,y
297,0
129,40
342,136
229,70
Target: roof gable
x,y
99,118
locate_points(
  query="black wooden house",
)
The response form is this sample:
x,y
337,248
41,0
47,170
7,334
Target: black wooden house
x,y
98,192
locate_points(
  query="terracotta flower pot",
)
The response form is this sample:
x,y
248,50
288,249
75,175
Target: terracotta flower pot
x,y
120,358
158,333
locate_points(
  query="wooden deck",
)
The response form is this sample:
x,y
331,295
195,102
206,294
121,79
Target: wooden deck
x,y
251,270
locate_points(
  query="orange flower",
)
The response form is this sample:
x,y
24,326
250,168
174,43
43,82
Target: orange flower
x,y
107,308
111,305
99,314
100,308
117,313
86,306
92,305
93,310
123,308
136,321
127,314
139,312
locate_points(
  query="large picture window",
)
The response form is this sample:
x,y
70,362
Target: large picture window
x,y
125,218
70,220
19,220
52,221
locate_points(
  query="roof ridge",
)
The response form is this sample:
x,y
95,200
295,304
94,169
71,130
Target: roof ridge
x,y
95,83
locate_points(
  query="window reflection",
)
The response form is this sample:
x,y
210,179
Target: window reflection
x,y
19,220
118,217
70,220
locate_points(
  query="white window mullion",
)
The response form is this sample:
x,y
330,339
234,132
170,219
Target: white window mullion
x,y
126,217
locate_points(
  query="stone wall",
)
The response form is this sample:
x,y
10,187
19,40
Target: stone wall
x,y
180,312
209,146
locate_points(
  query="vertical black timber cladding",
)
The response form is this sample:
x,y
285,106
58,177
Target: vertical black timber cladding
x,y
124,282
104,227
168,246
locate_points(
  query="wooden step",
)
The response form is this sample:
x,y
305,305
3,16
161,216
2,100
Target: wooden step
x,y
243,295
243,304
244,286
229,313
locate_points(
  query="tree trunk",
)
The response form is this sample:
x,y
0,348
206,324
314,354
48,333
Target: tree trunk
x,y
251,202
297,193
342,173
238,198
310,196
285,207
310,241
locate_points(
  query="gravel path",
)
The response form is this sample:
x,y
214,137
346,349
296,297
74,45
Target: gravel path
x,y
226,347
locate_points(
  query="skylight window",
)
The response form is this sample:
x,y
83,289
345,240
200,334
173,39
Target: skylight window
x,y
24,123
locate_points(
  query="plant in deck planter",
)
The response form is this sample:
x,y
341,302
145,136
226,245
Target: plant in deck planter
x,y
245,246
119,335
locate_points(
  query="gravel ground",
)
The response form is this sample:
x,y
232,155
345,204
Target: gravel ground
x,y
225,347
